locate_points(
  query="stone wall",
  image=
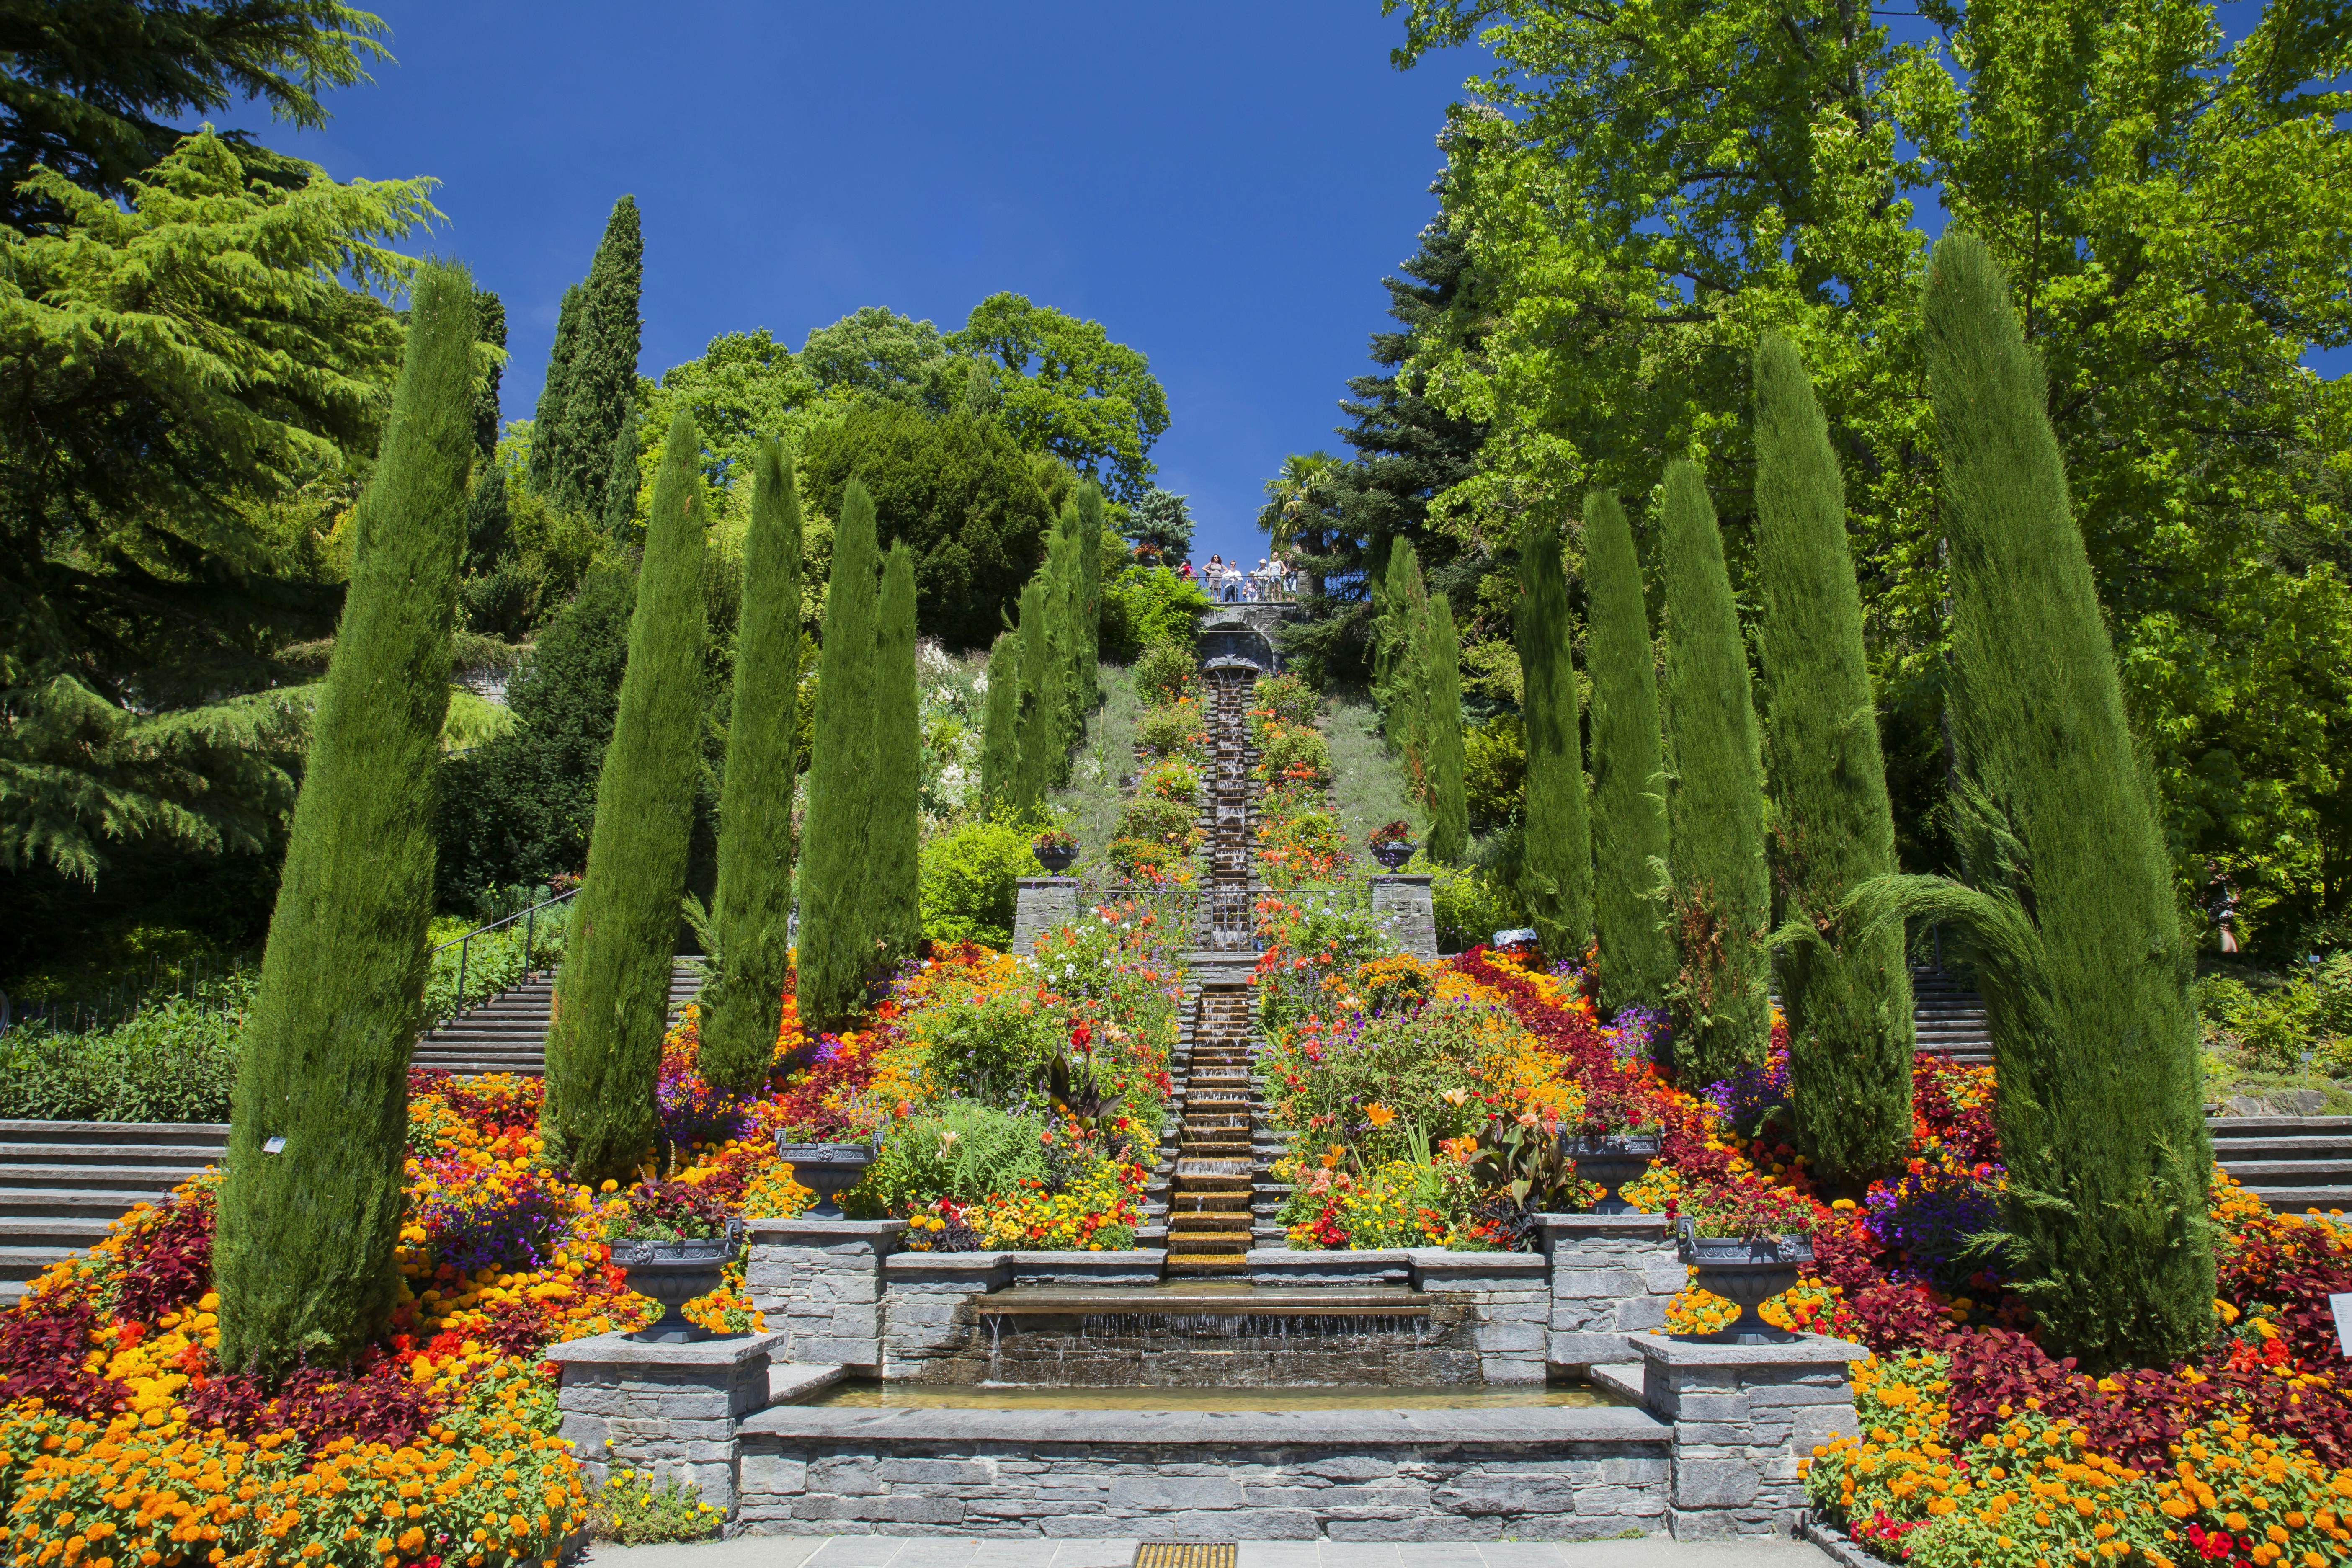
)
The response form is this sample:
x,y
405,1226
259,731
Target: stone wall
x,y
1537,1473
1402,904
1611,1275
1039,904
1743,1417
669,1412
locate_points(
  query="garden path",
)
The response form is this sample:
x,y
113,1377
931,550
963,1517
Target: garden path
x,y
509,1032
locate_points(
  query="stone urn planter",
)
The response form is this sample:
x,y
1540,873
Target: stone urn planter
x,y
1394,853
1747,1271
827,1170
1612,1159
1058,857
674,1273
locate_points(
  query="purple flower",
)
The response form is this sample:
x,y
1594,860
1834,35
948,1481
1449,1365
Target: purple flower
x,y
1929,1216
518,1220
691,1112
1641,1032
1749,1096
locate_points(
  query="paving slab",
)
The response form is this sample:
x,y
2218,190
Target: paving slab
x,y
965,1552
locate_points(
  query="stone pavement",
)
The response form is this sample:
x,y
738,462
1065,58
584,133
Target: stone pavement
x,y
950,1551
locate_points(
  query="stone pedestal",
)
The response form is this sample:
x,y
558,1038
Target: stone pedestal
x,y
1611,1275
1508,1299
665,1411
1040,904
1742,1417
819,1283
1402,905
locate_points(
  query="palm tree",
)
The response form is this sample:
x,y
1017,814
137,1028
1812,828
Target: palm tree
x,y
1300,498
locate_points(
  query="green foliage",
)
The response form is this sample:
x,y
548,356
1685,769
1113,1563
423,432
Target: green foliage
x,y
89,90
894,829
968,882
1556,874
641,1510
612,995
745,389
1064,387
1471,903
1398,669
1719,890
1161,522
1040,728
1287,699
836,943
1495,770
1449,805
1146,606
879,353
572,457
187,385
175,1061
962,1149
1168,731
1847,994
743,1008
1168,671
1625,265
303,1259
1629,792
2070,910
521,808
1000,754
958,488
1294,756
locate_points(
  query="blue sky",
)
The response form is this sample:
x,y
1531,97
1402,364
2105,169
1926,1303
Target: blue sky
x,y
1222,186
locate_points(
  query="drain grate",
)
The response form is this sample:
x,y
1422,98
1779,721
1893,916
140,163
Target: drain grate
x,y
1187,1554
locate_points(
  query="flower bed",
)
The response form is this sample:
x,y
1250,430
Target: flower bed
x,y
123,1442
1977,1448
1157,833
1298,839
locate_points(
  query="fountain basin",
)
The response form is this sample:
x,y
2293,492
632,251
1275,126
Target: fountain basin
x,y
1206,1298
870,1395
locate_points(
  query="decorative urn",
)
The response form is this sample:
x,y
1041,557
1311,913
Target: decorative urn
x,y
827,1170
1394,853
1747,1271
1612,1159
674,1273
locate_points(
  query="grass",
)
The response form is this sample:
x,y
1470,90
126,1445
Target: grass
x,y
1367,788
1089,806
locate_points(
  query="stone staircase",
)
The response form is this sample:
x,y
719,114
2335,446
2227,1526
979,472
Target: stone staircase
x,y
1950,1018
1210,1202
509,1032
63,1184
2291,1162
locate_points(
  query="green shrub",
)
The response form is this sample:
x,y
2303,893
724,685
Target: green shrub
x,y
1175,780
1166,821
964,1150
1472,903
1173,731
1146,606
1495,768
968,882
1145,859
1299,756
1167,671
1287,698
172,1062
638,1510
991,1046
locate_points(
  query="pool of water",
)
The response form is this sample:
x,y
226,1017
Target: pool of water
x,y
872,1396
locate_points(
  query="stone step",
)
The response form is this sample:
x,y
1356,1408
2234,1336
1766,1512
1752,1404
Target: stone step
x,y
73,1231
19,1264
172,1155
96,1176
182,1134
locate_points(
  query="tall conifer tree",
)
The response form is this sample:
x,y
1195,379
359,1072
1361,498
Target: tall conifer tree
x,y
1557,863
489,327
1040,730
547,429
1721,892
612,993
743,1011
1629,790
605,369
1449,800
1404,696
308,1227
895,830
2071,916
1000,751
621,482
1091,527
1846,992
837,931
1065,594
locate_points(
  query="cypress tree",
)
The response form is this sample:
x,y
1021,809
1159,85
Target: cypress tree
x,y
751,907
488,523
896,831
837,931
1721,891
604,381
612,993
489,327
307,1229
2071,915
1404,700
1628,798
621,483
1040,727
1065,603
1557,872
999,749
1090,549
547,434
1846,993
1449,800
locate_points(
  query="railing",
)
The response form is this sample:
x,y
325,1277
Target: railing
x,y
202,979
529,918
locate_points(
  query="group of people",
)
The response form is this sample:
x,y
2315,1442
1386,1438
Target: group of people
x,y
1270,582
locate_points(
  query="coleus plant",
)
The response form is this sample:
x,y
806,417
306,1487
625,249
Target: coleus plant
x,y
1750,1213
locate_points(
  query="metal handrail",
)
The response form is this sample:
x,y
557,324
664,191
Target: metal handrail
x,y
464,945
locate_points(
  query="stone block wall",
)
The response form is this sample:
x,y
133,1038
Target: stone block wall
x,y
1742,1416
1039,904
1402,905
670,1412
819,1284
1611,1275
1506,1300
